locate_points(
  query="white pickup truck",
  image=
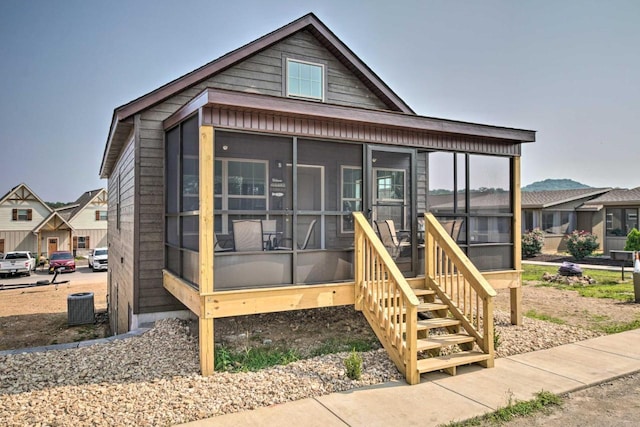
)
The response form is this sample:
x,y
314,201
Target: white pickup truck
x,y
17,262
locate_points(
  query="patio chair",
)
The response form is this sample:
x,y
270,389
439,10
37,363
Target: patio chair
x,y
269,233
387,232
219,245
307,238
247,235
452,227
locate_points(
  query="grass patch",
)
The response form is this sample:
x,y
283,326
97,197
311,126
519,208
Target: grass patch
x,y
543,401
619,292
608,283
620,327
541,316
336,345
252,359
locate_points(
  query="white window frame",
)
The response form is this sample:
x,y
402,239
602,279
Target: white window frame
x,y
322,81
225,196
349,199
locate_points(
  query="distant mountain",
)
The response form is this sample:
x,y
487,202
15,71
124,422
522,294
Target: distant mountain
x,y
554,184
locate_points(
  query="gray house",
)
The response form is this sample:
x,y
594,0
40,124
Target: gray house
x,y
558,213
251,185
613,215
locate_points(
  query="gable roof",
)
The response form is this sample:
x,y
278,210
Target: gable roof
x,y
22,185
308,22
546,199
51,218
70,211
615,197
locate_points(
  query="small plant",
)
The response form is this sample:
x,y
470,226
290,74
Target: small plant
x,y
532,242
581,244
496,340
633,240
353,363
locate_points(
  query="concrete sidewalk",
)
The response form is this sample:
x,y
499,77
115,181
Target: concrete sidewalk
x,y
440,398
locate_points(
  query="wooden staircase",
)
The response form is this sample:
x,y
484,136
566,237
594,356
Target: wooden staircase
x,y
437,327
441,340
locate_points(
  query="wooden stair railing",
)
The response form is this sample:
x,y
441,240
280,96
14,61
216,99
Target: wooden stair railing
x,y
386,299
455,296
459,284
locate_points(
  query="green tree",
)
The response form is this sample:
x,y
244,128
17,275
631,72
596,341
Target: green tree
x,y
633,240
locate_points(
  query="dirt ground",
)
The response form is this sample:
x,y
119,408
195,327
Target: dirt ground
x,y
37,316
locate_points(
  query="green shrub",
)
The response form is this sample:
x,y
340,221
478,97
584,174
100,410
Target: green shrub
x,y
532,242
581,244
353,363
633,240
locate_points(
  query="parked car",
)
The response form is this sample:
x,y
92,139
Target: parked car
x,y
62,261
17,262
98,259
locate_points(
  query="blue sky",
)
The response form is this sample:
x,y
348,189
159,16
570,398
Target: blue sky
x,y
568,69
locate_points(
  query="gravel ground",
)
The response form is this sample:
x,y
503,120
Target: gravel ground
x,y
153,379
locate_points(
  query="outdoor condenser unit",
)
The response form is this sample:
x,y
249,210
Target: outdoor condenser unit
x,y
80,308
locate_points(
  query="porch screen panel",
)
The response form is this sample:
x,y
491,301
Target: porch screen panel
x,y
329,190
252,182
476,191
182,199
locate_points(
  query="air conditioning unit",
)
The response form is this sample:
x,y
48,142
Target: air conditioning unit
x,y
80,309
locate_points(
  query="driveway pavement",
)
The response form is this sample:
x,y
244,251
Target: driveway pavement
x,y
83,274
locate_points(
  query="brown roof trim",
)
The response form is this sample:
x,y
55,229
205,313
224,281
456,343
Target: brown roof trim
x,y
295,107
231,58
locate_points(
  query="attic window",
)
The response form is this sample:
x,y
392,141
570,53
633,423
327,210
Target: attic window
x,y
305,79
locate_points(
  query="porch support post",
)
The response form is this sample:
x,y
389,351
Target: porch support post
x,y
206,153
516,292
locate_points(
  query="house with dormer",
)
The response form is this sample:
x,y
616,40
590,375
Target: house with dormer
x,y
262,181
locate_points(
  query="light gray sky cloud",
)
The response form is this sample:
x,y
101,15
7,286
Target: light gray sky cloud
x,y
567,69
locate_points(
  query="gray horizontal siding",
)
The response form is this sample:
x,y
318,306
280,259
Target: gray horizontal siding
x,y
120,241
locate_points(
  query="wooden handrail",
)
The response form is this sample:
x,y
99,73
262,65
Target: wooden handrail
x,y
457,282
386,299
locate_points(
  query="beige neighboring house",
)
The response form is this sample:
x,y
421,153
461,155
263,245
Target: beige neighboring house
x,y
87,218
27,223
22,212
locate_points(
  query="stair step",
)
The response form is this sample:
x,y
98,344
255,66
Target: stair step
x,y
456,359
432,306
423,292
417,292
429,306
438,322
439,341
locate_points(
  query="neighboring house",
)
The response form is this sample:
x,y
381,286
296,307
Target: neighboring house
x,y
293,129
558,213
88,218
21,213
28,223
613,215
